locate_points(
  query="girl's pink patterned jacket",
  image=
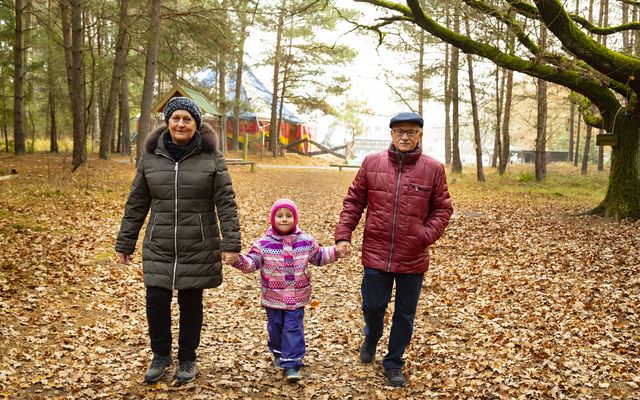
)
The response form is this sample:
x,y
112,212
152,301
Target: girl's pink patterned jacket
x,y
282,261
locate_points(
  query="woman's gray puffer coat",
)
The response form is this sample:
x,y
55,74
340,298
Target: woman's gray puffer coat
x,y
182,244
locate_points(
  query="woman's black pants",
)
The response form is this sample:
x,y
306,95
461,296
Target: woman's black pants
x,y
159,319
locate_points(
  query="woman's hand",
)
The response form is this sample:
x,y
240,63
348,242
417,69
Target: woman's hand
x,y
230,258
124,258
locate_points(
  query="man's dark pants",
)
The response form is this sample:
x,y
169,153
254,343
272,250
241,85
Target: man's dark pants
x,y
159,319
376,289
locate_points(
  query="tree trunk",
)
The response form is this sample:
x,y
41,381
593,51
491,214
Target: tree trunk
x,y
604,22
28,46
626,48
274,140
125,132
18,81
601,155
222,99
77,89
107,130
541,121
421,73
222,86
96,101
5,128
572,123
505,154
285,81
623,193
447,107
476,123
153,36
576,154
506,135
238,89
474,111
636,33
587,150
53,126
237,98
541,131
456,163
497,143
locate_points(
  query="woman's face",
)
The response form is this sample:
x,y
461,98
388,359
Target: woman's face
x,y
182,127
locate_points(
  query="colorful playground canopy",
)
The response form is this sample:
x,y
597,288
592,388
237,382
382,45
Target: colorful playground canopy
x,y
254,94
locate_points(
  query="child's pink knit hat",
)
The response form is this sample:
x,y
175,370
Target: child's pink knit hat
x,y
280,203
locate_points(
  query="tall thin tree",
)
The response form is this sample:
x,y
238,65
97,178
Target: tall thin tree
x,y
18,80
153,37
73,36
456,163
587,150
576,154
107,130
447,106
242,36
124,112
274,140
604,22
572,124
474,112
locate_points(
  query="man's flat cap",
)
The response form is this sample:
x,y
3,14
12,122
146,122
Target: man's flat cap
x,y
406,117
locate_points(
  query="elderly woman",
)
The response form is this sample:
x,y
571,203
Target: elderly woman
x,y
182,178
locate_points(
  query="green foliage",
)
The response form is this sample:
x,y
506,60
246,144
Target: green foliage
x,y
352,114
563,181
526,177
310,55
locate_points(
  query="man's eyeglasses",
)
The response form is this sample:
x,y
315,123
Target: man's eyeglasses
x,y
412,133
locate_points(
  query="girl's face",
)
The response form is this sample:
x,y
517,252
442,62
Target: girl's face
x,y
182,127
284,220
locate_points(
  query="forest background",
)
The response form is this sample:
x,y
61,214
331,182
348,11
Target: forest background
x,y
536,294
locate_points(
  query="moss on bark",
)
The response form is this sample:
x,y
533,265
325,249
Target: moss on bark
x,y
623,193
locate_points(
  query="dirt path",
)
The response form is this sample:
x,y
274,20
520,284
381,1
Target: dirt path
x,y
520,301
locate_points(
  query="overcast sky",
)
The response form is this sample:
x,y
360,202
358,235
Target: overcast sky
x,y
364,73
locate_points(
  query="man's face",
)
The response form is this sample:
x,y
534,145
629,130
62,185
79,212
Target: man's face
x,y
406,136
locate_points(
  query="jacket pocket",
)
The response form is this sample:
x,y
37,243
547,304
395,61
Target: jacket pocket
x,y
419,188
153,225
201,230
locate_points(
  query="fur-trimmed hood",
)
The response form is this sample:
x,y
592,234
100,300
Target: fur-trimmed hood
x,y
208,138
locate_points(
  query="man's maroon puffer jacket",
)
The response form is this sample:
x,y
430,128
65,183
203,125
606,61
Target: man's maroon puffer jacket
x,y
408,207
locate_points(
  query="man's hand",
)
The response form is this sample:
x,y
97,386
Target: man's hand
x,y
124,258
343,249
230,258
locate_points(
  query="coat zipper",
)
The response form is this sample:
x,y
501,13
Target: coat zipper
x,y
175,213
393,224
175,226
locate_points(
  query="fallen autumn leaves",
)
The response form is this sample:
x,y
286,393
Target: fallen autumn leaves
x,y
521,301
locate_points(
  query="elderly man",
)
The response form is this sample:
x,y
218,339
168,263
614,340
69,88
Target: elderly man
x,y
408,207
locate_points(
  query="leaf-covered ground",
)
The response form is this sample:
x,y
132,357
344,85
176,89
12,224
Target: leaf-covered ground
x,y
523,300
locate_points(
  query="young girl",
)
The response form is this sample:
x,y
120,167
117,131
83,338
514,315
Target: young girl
x,y
282,256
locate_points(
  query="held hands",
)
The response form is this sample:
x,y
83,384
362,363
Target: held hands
x,y
343,249
230,258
